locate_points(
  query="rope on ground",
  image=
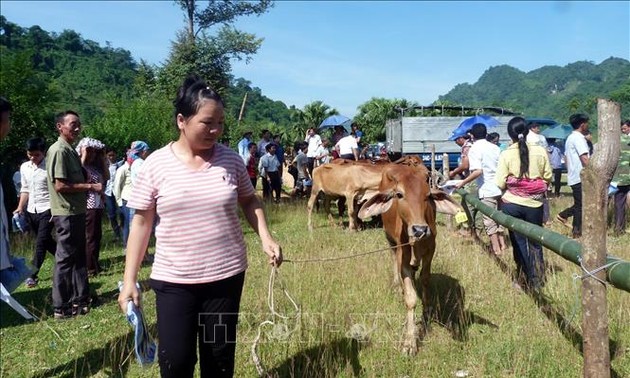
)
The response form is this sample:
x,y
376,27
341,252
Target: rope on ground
x,y
274,314
324,259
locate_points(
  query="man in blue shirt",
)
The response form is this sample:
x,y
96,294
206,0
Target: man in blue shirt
x,y
242,144
555,158
279,153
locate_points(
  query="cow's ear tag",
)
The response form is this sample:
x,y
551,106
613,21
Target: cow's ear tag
x,y
461,217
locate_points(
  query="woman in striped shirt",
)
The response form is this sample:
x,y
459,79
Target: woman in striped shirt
x,y
195,185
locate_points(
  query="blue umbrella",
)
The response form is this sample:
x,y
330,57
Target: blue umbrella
x,y
557,132
466,124
336,120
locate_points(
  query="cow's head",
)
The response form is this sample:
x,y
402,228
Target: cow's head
x,y
415,203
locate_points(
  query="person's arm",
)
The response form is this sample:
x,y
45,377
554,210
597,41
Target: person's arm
x,y
64,186
141,227
502,173
118,185
547,169
252,208
355,151
584,159
24,193
22,203
473,176
463,166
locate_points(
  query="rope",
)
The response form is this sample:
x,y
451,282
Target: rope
x,y
278,330
615,261
587,274
281,330
345,257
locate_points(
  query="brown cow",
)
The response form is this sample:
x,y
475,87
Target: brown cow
x,y
408,208
352,181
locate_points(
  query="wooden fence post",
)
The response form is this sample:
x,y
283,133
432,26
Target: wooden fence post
x,y
596,178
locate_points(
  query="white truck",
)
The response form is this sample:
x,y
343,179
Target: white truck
x,y
418,135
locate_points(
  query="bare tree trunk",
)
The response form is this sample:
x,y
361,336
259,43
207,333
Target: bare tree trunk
x,y
190,14
596,177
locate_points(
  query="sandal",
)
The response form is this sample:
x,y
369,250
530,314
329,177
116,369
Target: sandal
x,y
564,221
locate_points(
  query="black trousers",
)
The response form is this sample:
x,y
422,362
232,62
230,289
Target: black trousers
x,y
575,211
266,188
557,177
197,315
275,184
114,215
528,254
41,225
93,236
70,281
621,198
310,165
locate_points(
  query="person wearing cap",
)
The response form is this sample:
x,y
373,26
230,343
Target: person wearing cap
x,y
68,189
462,140
92,154
243,144
483,159
135,157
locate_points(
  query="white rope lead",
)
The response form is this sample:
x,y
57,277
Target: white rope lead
x,y
274,314
592,273
615,261
270,301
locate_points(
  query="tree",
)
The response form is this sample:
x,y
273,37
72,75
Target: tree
x,y
32,98
218,12
195,50
311,115
374,113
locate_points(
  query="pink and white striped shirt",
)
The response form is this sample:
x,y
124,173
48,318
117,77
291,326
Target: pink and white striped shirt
x,y
199,237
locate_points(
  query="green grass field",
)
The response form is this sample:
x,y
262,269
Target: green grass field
x,y
350,320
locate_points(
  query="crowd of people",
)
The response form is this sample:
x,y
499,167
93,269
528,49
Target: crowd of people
x,y
65,190
520,180
267,158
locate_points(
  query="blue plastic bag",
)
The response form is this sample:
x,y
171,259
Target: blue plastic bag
x,y
144,345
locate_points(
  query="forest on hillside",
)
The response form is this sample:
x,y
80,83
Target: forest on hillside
x,y
121,99
549,91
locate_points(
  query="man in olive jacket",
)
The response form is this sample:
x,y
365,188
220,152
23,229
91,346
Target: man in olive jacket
x,y
68,202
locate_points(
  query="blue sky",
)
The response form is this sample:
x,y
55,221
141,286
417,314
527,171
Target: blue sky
x,y
346,52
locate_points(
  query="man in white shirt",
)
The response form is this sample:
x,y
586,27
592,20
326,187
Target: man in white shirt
x,y
348,148
576,153
35,204
534,136
322,155
113,212
263,142
483,159
268,167
314,141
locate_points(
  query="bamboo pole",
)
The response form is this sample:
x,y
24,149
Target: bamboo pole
x,y
569,249
596,178
240,114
